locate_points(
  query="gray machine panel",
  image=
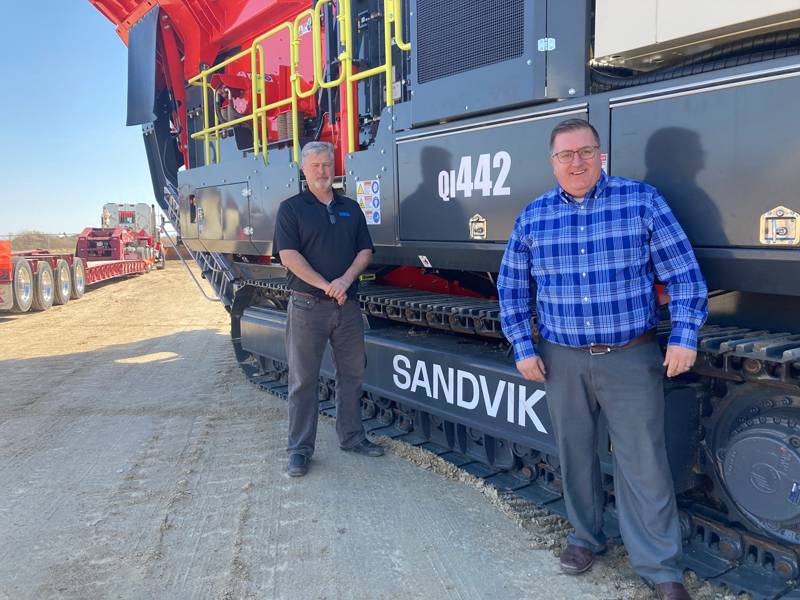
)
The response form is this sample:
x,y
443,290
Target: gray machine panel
x,y
229,194
510,159
278,182
720,156
473,56
375,167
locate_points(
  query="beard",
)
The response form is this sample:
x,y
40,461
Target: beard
x,y
323,183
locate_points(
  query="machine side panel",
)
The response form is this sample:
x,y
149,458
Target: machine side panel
x,y
494,171
458,66
721,157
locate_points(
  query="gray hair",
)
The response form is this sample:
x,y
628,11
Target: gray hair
x,y
572,125
317,148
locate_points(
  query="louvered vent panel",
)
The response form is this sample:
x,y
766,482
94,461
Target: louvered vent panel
x,y
454,36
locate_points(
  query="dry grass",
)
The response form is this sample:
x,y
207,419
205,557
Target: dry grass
x,y
33,240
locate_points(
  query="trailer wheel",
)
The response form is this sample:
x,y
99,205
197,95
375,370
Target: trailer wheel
x,y
43,288
22,286
78,278
162,264
63,282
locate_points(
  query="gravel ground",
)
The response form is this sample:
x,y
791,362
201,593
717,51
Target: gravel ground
x,y
137,462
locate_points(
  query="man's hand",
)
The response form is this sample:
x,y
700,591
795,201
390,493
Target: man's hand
x,y
532,368
338,289
679,360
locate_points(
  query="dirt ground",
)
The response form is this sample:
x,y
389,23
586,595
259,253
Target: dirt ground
x,y
137,462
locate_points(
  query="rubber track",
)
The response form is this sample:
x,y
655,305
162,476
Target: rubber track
x,y
722,352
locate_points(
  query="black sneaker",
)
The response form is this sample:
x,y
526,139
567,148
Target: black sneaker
x,y
298,465
366,448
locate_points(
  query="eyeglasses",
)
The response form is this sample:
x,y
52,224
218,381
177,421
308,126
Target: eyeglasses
x,y
331,216
585,153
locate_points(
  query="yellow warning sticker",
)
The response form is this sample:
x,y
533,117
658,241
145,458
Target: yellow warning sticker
x,y
360,189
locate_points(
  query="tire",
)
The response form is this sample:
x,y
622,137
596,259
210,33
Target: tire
x,y
63,283
43,287
21,286
161,265
78,278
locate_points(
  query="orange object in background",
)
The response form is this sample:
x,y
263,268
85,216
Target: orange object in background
x,y
5,262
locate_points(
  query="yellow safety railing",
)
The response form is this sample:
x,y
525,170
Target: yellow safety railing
x,y
259,98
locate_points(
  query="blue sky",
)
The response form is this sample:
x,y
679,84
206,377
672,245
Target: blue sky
x,y
65,148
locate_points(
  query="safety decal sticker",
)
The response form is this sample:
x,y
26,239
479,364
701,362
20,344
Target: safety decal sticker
x,y
368,196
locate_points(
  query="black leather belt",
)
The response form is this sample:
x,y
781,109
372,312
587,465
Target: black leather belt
x,y
328,298
647,336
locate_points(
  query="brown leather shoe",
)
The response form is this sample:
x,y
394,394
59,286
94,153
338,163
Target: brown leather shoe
x,y
576,559
669,590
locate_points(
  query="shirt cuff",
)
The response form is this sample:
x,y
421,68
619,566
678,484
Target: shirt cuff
x,y
684,335
524,349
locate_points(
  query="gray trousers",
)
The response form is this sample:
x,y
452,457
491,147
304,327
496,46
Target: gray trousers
x,y
310,325
628,386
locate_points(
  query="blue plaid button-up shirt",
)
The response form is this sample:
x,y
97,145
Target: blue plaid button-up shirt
x,y
594,264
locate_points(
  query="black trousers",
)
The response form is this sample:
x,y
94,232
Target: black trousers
x,y
310,325
628,386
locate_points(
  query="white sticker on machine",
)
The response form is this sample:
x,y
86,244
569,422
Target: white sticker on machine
x,y
368,196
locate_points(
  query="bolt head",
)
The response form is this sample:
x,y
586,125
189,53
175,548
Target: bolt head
x,y
571,91
530,62
383,150
413,92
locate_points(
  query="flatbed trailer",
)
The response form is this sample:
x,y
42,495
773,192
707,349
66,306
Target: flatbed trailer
x,y
39,278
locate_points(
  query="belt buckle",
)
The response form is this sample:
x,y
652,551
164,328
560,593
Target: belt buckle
x,y
593,353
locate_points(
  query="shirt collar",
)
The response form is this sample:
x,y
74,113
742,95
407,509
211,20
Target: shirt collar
x,y
309,197
592,193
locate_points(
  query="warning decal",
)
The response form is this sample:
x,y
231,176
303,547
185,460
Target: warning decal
x,y
369,199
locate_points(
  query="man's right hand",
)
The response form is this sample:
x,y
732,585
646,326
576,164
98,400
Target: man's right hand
x,y
338,289
532,368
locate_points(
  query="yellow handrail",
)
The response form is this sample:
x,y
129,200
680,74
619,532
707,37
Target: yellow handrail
x,y
398,27
391,13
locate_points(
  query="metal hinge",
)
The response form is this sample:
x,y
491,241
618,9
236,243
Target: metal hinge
x,y
546,44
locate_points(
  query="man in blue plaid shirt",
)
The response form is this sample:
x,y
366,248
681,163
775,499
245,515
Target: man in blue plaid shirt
x,y
594,246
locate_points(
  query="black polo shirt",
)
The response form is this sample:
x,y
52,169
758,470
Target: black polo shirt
x,y
304,224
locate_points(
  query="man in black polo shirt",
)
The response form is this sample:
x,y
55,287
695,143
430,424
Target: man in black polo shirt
x,y
322,239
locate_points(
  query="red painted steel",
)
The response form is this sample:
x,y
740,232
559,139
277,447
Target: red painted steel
x,y
101,272
196,32
5,262
417,279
